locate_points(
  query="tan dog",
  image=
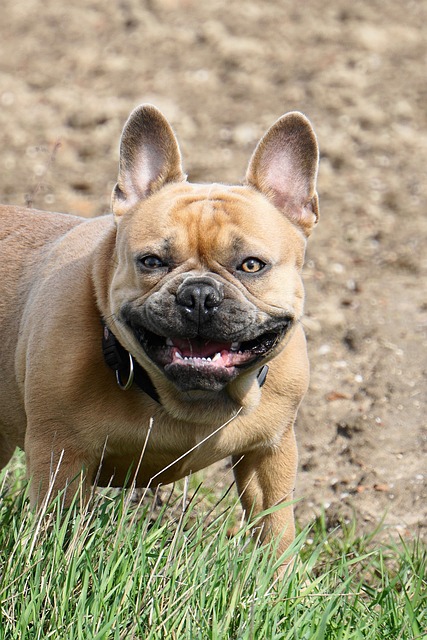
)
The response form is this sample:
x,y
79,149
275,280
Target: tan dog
x,y
198,286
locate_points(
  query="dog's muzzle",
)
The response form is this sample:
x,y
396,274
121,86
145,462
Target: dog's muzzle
x,y
201,338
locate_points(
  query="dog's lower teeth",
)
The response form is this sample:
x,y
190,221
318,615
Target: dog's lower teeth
x,y
216,357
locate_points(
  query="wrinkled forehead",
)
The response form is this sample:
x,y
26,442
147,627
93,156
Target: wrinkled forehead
x,y
211,219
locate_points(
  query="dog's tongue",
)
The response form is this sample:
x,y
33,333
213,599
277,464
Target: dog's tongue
x,y
199,349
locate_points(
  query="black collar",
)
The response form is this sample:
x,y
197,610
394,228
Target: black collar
x,y
123,363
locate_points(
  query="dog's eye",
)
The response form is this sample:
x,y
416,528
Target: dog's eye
x,y
151,262
252,265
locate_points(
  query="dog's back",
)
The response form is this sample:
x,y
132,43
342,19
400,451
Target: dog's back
x,y
25,237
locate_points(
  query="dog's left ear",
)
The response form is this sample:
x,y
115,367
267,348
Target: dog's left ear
x,y
149,158
284,167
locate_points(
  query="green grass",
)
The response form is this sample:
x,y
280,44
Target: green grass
x,y
122,572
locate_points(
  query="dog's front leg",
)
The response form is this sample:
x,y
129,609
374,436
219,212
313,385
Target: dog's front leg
x,y
265,478
53,466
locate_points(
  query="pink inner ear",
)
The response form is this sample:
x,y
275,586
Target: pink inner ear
x,y
145,171
288,186
149,164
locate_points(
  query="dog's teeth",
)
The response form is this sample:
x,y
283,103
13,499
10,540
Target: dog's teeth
x,y
235,346
169,342
217,356
209,359
179,356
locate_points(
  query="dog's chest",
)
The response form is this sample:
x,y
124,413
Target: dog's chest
x,y
155,465
166,452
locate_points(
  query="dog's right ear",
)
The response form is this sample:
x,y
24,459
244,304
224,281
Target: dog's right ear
x,y
284,168
149,158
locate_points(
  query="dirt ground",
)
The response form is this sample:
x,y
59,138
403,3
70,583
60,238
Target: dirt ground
x,y
222,72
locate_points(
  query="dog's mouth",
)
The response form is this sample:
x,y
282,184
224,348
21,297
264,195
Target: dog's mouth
x,y
198,352
197,363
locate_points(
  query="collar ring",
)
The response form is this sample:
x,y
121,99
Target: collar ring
x,y
127,385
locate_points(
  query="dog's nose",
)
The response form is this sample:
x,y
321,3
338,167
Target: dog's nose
x,y
199,297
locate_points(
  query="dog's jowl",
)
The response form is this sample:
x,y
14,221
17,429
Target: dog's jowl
x,y
181,309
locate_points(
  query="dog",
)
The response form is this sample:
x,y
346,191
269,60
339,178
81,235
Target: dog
x,y
155,340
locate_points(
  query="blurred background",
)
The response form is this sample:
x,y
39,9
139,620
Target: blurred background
x,y
222,72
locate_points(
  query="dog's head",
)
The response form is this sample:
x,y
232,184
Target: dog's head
x,y
207,284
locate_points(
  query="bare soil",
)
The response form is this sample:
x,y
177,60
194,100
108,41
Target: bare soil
x,y
222,72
